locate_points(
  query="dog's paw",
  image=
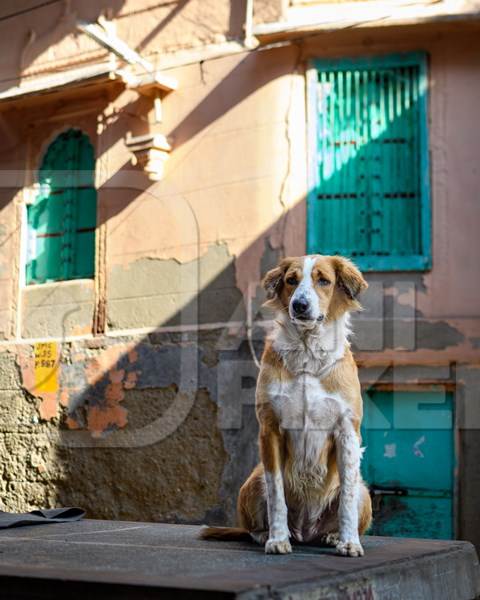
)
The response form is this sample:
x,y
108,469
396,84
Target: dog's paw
x,y
350,549
277,546
260,537
330,539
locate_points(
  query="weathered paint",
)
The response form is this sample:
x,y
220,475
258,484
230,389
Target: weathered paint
x,y
410,461
36,453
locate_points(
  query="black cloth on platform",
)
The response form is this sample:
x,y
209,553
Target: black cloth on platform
x,y
41,516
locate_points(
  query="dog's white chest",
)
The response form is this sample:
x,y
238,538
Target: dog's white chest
x,y
303,403
308,413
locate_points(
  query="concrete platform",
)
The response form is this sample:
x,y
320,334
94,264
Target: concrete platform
x,y
108,559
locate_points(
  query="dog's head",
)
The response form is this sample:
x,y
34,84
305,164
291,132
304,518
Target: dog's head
x,y
312,289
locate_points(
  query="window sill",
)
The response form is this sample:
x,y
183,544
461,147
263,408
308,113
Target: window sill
x,y
60,283
370,264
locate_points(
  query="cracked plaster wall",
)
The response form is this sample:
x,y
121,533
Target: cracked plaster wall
x,y
231,203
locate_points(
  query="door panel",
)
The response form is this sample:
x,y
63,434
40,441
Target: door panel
x,y
413,516
409,462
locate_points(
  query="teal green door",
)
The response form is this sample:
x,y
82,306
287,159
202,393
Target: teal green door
x,y
409,462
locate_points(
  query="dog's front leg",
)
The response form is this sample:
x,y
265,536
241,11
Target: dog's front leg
x,y
270,450
348,460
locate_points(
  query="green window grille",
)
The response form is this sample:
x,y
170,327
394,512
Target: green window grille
x,y
62,220
369,192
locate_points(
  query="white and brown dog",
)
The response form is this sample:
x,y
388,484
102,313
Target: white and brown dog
x,y
309,407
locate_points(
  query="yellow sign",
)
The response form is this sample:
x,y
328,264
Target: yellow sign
x,y
46,367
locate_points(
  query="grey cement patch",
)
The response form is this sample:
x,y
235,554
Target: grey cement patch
x,y
201,291
475,341
437,335
404,334
58,309
390,280
392,321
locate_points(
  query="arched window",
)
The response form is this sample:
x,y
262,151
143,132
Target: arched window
x,y
62,220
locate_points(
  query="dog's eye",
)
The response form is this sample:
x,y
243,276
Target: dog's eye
x,y
292,280
323,282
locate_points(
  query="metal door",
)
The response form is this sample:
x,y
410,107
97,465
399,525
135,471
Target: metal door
x,y
409,462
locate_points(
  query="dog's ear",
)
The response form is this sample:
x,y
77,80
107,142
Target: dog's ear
x,y
349,278
273,280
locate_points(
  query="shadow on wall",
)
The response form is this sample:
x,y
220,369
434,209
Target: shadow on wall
x,y
144,436
46,26
144,408
164,386
162,426
178,6
243,80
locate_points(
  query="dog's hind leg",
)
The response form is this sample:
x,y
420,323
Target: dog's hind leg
x,y
329,539
260,537
365,509
327,526
251,514
252,506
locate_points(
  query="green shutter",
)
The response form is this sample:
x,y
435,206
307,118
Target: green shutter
x,y
370,198
62,220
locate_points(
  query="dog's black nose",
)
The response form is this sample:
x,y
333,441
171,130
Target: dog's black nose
x,y
299,306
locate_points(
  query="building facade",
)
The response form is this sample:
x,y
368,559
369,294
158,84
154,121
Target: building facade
x,y
157,158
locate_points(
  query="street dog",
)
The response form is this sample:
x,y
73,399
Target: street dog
x,y
308,486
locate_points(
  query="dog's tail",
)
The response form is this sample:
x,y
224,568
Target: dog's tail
x,y
225,534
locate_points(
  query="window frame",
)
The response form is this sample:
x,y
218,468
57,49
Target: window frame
x,y
67,273
373,263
